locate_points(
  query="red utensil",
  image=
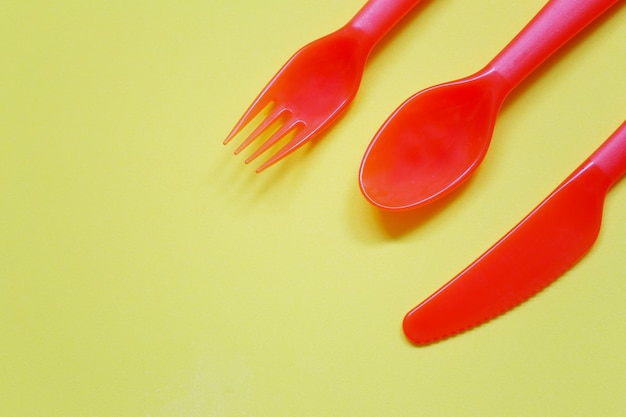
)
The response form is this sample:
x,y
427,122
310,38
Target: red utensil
x,y
436,139
319,81
543,246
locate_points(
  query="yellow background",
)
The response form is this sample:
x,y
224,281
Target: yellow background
x,y
146,271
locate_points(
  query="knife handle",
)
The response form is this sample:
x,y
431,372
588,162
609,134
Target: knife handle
x,y
610,157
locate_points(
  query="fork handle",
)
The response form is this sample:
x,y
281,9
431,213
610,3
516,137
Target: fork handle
x,y
377,17
556,23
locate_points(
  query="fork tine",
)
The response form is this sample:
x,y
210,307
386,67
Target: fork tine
x,y
274,116
279,134
255,108
291,146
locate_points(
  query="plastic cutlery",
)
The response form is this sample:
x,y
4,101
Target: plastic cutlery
x,y
319,82
543,246
437,138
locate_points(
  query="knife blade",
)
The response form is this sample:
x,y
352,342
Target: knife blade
x,y
532,255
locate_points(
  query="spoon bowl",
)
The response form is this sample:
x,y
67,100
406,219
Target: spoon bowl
x,y
436,139
432,142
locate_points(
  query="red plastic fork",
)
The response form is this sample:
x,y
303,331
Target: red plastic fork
x,y
319,81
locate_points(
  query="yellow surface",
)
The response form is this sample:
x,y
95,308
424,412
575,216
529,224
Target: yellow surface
x,y
145,271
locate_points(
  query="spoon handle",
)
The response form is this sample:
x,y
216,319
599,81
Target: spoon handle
x,y
611,156
556,23
377,17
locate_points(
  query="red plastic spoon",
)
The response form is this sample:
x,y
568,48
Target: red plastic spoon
x,y
437,138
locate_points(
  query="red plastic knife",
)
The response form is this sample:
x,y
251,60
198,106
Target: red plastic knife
x,y
539,249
